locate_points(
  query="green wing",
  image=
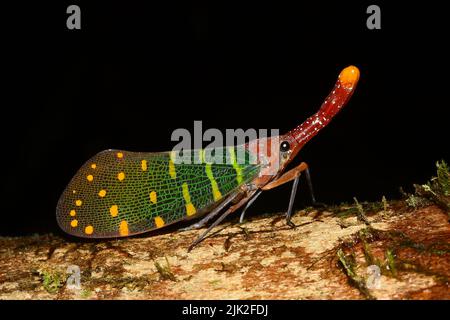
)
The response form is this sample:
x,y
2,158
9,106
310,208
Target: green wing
x,y
120,193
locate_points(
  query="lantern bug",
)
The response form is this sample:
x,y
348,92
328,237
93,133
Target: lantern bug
x,y
120,193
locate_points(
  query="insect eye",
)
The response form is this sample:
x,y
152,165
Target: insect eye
x,y
285,146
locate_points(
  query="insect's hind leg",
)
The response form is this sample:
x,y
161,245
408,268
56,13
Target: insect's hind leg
x,y
294,191
311,191
212,214
293,174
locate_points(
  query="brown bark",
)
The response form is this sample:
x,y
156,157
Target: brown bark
x,y
324,257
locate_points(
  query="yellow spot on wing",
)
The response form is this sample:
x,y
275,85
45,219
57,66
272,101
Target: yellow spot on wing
x,y
89,230
121,176
102,193
153,197
72,213
78,203
144,165
172,172
119,155
123,228
236,166
190,209
114,210
159,222
74,223
186,195
93,166
90,177
215,188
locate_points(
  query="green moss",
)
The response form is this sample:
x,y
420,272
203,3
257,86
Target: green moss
x,y
52,280
214,282
437,190
415,202
385,204
165,271
443,177
390,256
391,241
348,212
86,293
348,263
374,206
309,209
386,213
359,209
368,256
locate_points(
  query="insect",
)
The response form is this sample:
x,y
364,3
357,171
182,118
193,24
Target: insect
x,y
119,193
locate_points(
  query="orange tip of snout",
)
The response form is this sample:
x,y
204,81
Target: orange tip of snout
x,y
349,77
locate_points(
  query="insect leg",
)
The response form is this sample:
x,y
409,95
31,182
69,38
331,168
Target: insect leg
x,y
249,203
311,190
212,214
286,177
220,219
291,202
293,174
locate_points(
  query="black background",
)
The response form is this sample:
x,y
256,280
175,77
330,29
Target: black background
x,y
137,71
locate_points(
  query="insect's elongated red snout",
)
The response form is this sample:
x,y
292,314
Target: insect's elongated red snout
x,y
341,93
